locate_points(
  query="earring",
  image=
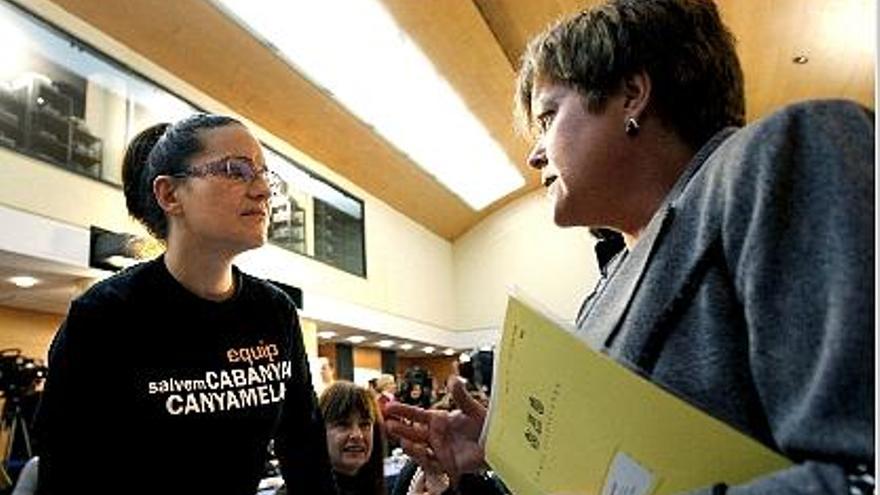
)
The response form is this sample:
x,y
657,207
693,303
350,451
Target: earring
x,y
631,127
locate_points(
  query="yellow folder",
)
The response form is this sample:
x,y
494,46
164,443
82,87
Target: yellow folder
x,y
565,418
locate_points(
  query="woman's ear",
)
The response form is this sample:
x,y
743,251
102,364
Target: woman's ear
x,y
637,93
166,191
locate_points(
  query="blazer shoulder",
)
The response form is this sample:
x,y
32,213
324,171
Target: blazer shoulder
x,y
808,122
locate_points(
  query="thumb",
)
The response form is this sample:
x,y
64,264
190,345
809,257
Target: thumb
x,y
468,405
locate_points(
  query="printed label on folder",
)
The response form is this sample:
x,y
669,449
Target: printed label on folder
x,y
627,477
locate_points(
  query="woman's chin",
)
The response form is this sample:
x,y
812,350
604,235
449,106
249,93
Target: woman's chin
x,y
351,465
562,219
254,241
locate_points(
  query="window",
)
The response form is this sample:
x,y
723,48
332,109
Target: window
x,y
64,103
313,217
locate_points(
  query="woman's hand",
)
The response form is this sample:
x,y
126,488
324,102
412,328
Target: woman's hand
x,y
441,441
428,483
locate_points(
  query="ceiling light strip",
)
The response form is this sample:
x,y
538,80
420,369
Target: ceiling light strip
x,y
375,70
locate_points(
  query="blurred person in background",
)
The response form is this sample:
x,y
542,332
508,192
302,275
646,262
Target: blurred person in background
x,y
386,387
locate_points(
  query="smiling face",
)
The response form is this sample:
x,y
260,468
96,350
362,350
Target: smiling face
x,y
350,443
218,211
415,392
581,154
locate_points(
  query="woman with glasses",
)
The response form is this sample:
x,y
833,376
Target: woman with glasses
x,y
173,376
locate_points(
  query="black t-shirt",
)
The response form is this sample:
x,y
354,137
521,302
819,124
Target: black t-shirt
x,y
152,389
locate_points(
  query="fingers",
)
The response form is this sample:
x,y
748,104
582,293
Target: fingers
x,y
444,459
425,483
413,432
417,484
419,443
423,455
436,483
463,399
396,410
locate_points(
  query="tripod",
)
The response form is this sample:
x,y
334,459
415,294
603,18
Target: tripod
x,y
16,425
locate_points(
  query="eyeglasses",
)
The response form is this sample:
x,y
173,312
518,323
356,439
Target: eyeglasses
x,y
234,168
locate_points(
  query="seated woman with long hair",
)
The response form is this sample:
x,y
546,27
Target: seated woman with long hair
x,y
355,438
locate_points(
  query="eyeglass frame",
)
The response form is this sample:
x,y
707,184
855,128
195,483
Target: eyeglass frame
x,y
221,168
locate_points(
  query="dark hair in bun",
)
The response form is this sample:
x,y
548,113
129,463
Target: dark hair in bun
x,y
162,149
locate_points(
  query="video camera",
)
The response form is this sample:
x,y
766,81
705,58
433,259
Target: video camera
x,y
18,373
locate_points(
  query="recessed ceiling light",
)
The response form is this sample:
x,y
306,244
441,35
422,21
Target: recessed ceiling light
x,y
428,349
448,352
385,343
424,102
356,339
326,334
800,59
25,282
406,347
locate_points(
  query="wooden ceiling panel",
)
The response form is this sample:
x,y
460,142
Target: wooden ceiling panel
x,y
200,45
515,22
476,45
837,36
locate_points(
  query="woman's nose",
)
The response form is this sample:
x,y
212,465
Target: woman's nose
x,y
538,156
260,187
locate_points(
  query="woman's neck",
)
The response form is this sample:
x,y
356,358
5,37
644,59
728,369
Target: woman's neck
x,y
665,157
207,276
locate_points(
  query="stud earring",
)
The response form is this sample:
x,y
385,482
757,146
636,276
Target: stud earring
x,y
631,127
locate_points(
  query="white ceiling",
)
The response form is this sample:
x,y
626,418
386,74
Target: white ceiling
x,y
372,339
59,283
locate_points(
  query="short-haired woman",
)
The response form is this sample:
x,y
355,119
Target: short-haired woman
x,y
745,285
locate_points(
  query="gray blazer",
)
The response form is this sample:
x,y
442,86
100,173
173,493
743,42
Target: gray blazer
x,y
751,292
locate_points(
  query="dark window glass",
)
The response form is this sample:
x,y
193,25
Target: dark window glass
x,y
64,104
311,216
